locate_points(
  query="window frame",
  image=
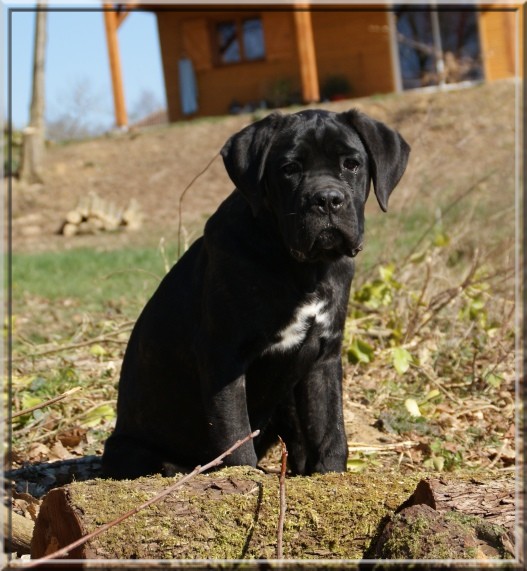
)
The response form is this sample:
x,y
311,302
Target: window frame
x,y
238,21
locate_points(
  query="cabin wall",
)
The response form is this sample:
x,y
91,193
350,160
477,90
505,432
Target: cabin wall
x,y
498,38
186,34
356,45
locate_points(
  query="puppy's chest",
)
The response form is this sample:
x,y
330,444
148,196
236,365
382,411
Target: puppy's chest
x,y
314,317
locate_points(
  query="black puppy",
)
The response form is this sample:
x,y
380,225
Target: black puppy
x,y
245,331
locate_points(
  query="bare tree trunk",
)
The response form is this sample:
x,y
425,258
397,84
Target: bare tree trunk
x,y
33,142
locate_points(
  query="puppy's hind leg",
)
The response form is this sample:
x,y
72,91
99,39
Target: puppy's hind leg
x,y
127,458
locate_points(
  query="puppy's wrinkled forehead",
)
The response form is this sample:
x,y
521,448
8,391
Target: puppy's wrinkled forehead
x,y
310,134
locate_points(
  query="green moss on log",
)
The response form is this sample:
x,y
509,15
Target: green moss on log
x,y
420,532
233,514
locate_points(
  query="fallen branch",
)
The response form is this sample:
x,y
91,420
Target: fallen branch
x,y
395,447
108,338
281,518
46,403
198,470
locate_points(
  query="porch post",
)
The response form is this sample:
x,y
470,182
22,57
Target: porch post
x,y
306,54
111,22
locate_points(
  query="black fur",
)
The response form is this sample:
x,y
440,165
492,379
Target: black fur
x,y
245,331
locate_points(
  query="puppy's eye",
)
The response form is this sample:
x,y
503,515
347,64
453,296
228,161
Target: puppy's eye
x,y
292,168
350,165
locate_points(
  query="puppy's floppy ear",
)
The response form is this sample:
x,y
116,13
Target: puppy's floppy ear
x,y
387,150
245,154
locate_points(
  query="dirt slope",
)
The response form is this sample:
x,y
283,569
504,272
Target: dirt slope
x,y
453,134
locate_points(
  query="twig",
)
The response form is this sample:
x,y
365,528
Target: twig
x,y
181,198
415,314
395,447
281,518
499,453
437,304
456,200
99,339
46,403
197,470
438,384
60,422
129,271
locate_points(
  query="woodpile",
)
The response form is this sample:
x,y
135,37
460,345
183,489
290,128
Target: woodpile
x,y
94,214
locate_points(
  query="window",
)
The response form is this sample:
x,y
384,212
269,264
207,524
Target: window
x,y
438,46
240,40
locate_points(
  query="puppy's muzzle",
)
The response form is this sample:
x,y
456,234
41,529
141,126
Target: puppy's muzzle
x,y
327,201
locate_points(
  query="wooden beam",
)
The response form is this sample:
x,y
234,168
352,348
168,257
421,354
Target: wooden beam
x,y
509,25
306,55
121,17
111,25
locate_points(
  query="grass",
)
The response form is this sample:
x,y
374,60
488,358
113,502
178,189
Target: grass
x,y
91,278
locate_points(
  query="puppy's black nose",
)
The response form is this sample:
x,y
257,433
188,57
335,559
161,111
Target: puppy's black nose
x,y
327,201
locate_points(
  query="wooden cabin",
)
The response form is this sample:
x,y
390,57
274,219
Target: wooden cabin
x,y
227,59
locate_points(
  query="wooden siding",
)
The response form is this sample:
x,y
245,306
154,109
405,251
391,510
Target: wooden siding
x,y
499,40
355,45
191,35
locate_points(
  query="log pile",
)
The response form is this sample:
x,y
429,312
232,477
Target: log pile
x,y
93,214
233,514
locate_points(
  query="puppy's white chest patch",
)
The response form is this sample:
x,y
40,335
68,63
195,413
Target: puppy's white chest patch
x,y
295,332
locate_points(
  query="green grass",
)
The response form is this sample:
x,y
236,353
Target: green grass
x,y
89,277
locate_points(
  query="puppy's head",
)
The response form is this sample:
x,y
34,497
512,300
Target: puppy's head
x,y
311,171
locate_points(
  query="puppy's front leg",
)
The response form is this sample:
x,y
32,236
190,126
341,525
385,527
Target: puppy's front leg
x,y
319,407
228,421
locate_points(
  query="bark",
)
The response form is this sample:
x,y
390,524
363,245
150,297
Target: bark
x,y
230,514
420,532
489,500
17,536
33,138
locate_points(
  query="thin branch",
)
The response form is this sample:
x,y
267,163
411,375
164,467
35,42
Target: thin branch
x,y
415,314
46,403
499,453
108,338
394,447
281,518
197,470
456,200
437,304
181,198
129,271
439,385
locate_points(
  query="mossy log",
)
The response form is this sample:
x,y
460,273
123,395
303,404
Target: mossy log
x,y
229,514
493,501
420,532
